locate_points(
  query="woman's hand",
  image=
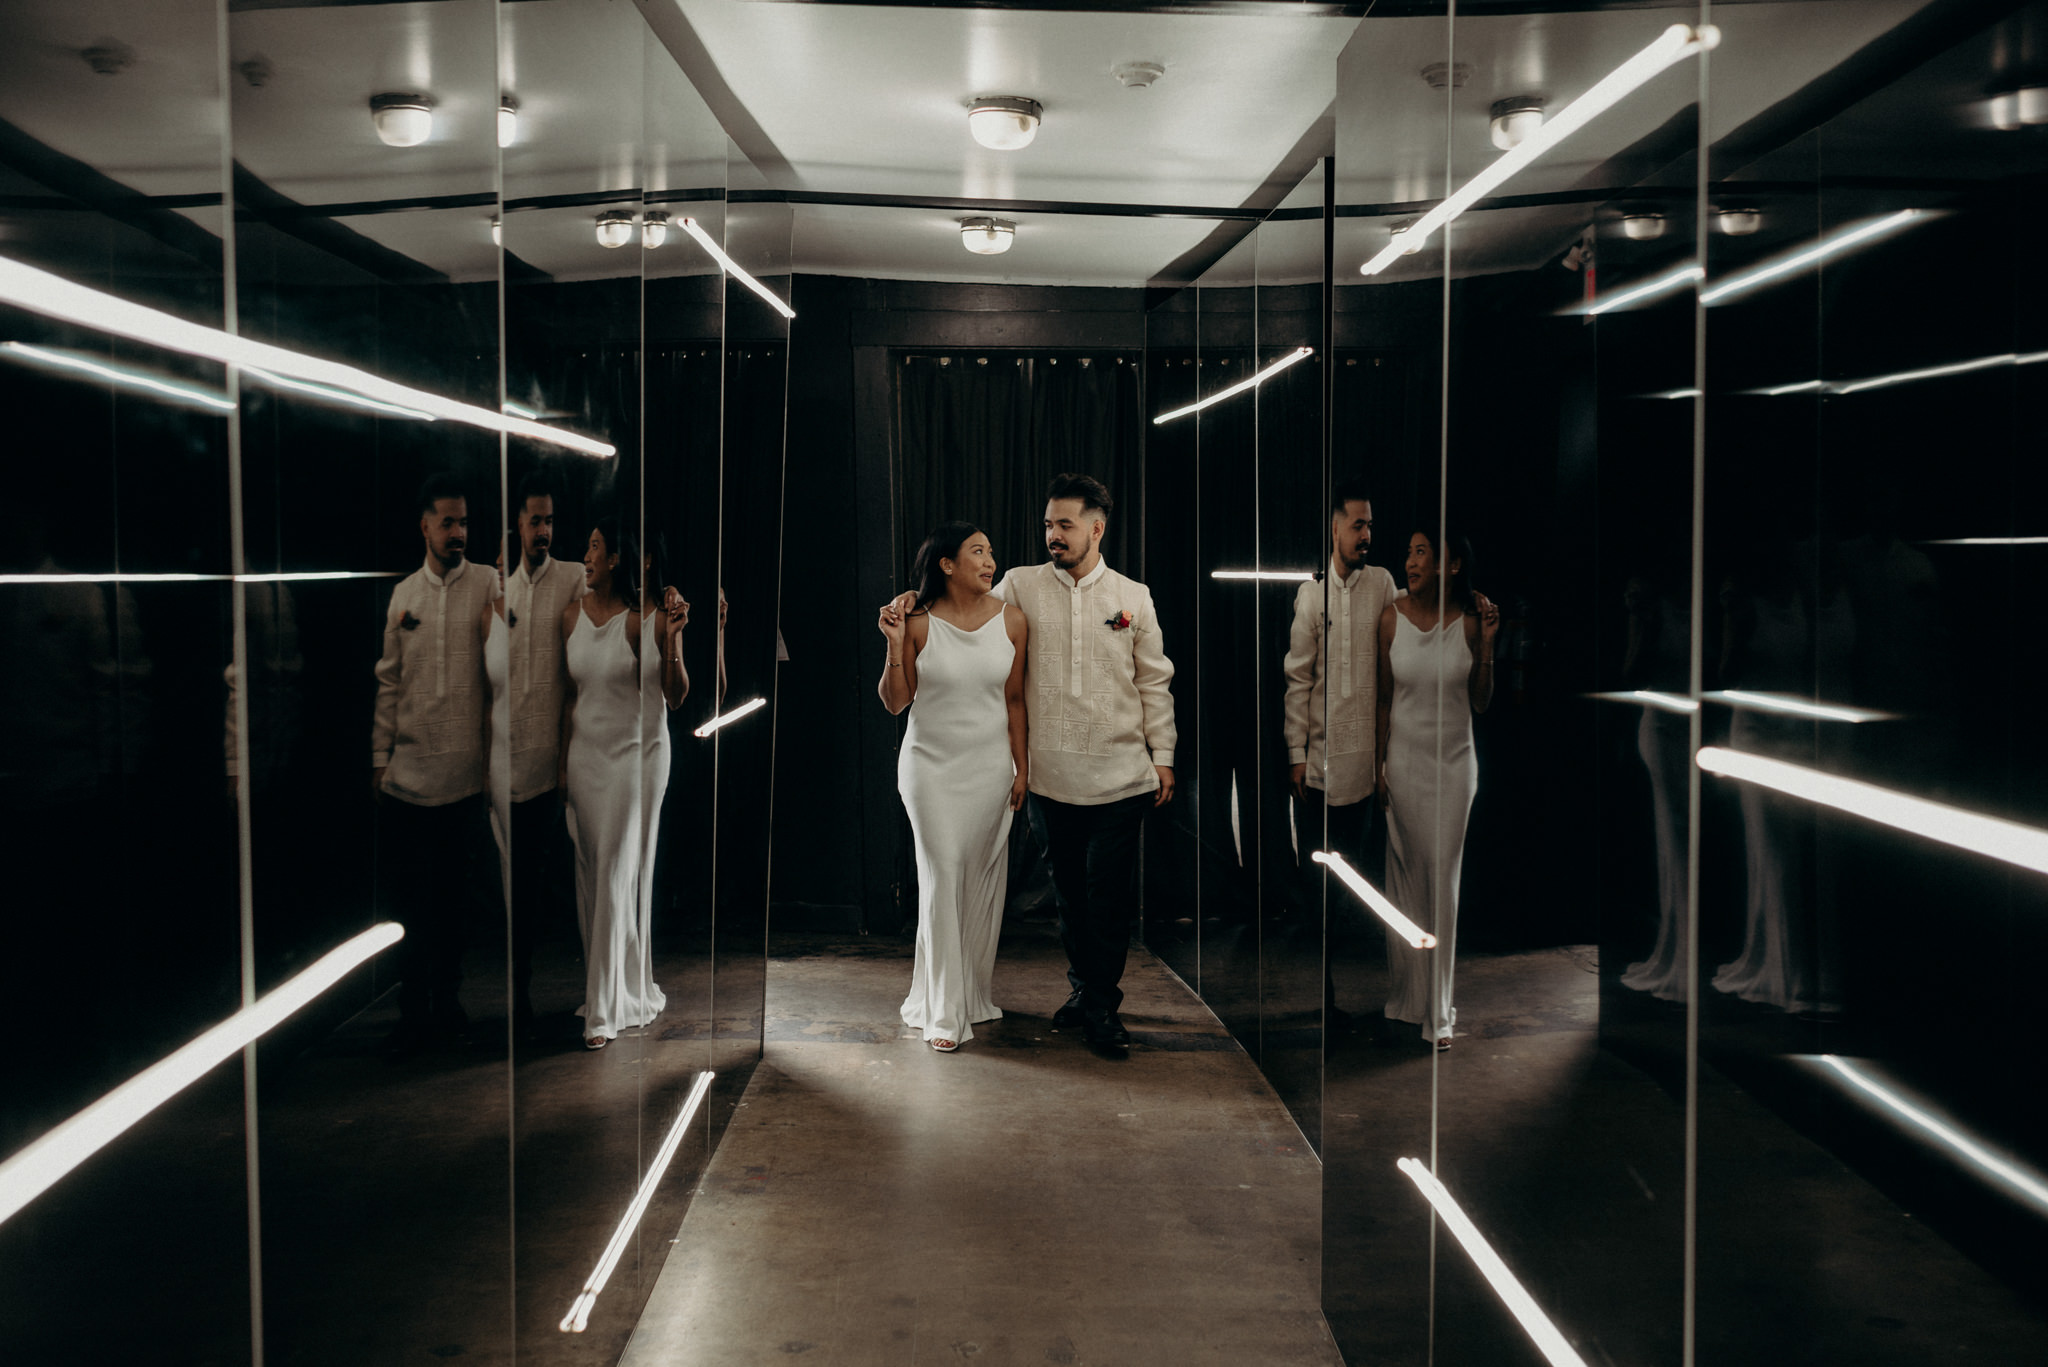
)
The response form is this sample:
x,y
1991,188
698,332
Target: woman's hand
x,y
677,609
1489,623
897,610
892,625
1380,787
1018,787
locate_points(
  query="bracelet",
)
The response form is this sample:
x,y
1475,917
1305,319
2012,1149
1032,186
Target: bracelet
x,y
894,664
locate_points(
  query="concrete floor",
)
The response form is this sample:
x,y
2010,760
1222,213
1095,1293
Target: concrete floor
x,y
1025,1200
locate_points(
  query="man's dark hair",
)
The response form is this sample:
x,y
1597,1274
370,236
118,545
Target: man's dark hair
x,y
1092,492
535,485
437,487
1348,491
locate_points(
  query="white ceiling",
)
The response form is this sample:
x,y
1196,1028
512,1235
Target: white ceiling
x,y
871,100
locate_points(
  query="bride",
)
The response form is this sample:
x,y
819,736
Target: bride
x,y
966,675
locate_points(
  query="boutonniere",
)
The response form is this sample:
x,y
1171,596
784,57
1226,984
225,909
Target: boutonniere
x,y
1118,622
408,622
511,618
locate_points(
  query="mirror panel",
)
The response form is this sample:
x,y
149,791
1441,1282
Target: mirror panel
x,y
365,237
1386,399
1872,457
1291,538
1226,747
1561,1110
757,340
120,792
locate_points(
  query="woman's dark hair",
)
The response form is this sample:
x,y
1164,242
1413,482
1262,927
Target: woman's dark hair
x,y
1459,590
626,574
943,544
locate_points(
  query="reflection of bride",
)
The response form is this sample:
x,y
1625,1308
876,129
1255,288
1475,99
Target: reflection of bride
x,y
1659,648
1779,638
1436,670
625,673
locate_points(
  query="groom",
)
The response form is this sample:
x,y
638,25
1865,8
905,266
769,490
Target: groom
x,y
1101,721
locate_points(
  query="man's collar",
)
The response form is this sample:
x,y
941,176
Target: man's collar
x,y
443,580
547,562
1085,581
1337,572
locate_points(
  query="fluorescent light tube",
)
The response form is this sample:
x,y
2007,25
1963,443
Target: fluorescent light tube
x,y
1370,895
321,391
291,577
1519,1302
1673,394
1791,706
1666,702
733,268
55,297
1267,576
1674,45
728,718
578,1318
1663,284
2026,1183
46,1159
1987,835
1831,245
1990,541
1285,361
120,375
1933,372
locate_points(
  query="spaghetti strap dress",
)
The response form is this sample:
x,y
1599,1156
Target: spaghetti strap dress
x,y
954,773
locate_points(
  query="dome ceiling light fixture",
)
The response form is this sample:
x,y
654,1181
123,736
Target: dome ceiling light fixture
x,y
1739,222
2021,108
653,231
987,236
508,120
614,229
402,120
1514,119
1644,225
1137,75
1004,123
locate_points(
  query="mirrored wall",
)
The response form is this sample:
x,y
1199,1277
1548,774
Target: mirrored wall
x,y
517,546
1669,445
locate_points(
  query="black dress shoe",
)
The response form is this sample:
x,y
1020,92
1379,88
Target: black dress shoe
x,y
1106,1031
1070,1014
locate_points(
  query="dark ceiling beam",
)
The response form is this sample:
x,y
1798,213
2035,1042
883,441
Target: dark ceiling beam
x,y
1317,141
77,184
665,19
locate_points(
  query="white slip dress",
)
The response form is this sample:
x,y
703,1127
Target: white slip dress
x,y
618,764
955,772
1432,774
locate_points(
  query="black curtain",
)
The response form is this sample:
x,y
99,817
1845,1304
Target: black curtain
x,y
978,435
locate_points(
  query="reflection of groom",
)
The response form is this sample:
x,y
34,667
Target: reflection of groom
x,y
1096,688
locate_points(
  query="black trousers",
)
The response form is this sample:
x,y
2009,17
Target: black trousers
x,y
1346,830
431,862
539,849
1094,854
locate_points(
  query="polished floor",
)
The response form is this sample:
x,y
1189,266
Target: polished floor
x,y
1025,1200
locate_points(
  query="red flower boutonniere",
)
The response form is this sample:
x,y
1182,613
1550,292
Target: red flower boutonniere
x,y
408,622
1118,622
